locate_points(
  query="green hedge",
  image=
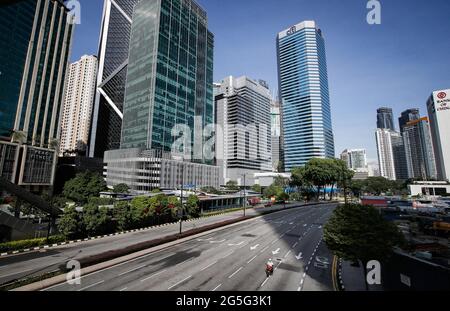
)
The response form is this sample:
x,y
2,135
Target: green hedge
x,y
24,244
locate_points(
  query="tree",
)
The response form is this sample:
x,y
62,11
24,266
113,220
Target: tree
x,y
154,191
342,175
377,185
141,210
356,187
53,144
70,224
95,219
192,206
281,182
19,137
232,186
84,186
123,216
280,167
356,232
319,173
282,196
272,191
121,188
257,188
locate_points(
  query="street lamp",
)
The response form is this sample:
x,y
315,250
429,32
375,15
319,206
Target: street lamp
x,y
245,194
182,186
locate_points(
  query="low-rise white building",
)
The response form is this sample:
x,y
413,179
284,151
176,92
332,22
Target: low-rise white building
x,y
433,188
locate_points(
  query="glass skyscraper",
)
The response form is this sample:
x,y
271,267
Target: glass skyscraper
x,y
113,61
385,119
35,42
305,101
170,74
169,84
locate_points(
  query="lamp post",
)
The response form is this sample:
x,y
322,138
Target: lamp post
x,y
182,186
245,195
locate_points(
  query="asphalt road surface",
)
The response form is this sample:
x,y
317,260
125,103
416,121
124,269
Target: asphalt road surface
x,y
232,259
47,260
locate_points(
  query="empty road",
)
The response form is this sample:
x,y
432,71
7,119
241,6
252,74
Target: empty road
x,y
232,259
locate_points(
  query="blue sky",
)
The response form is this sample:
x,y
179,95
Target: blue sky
x,y
396,64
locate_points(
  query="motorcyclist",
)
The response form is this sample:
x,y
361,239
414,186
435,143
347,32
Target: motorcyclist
x,y
269,266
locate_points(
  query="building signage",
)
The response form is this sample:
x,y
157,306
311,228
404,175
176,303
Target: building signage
x,y
292,30
442,101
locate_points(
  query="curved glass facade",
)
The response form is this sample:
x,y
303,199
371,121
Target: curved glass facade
x,y
303,85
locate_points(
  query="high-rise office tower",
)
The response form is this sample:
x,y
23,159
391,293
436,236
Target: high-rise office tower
x,y
77,109
355,158
35,42
385,119
277,157
385,153
419,149
439,113
107,113
400,162
243,113
304,95
408,116
169,89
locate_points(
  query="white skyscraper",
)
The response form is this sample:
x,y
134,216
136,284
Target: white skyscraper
x,y
386,153
77,110
439,114
243,115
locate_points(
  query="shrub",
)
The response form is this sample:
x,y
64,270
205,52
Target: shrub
x,y
24,244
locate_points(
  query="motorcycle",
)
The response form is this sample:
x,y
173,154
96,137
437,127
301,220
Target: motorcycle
x,y
269,270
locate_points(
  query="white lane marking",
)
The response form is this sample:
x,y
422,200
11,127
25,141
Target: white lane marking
x,y
152,276
227,255
217,242
123,289
304,274
132,270
179,264
302,281
231,244
264,283
23,271
287,254
208,266
184,280
254,247
295,244
274,241
90,286
264,249
299,289
275,252
237,271
216,288
203,240
300,256
304,225
252,259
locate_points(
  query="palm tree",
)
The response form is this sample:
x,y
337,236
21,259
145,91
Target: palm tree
x,y
53,144
19,137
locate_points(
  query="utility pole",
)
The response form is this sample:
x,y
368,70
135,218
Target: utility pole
x,y
245,195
